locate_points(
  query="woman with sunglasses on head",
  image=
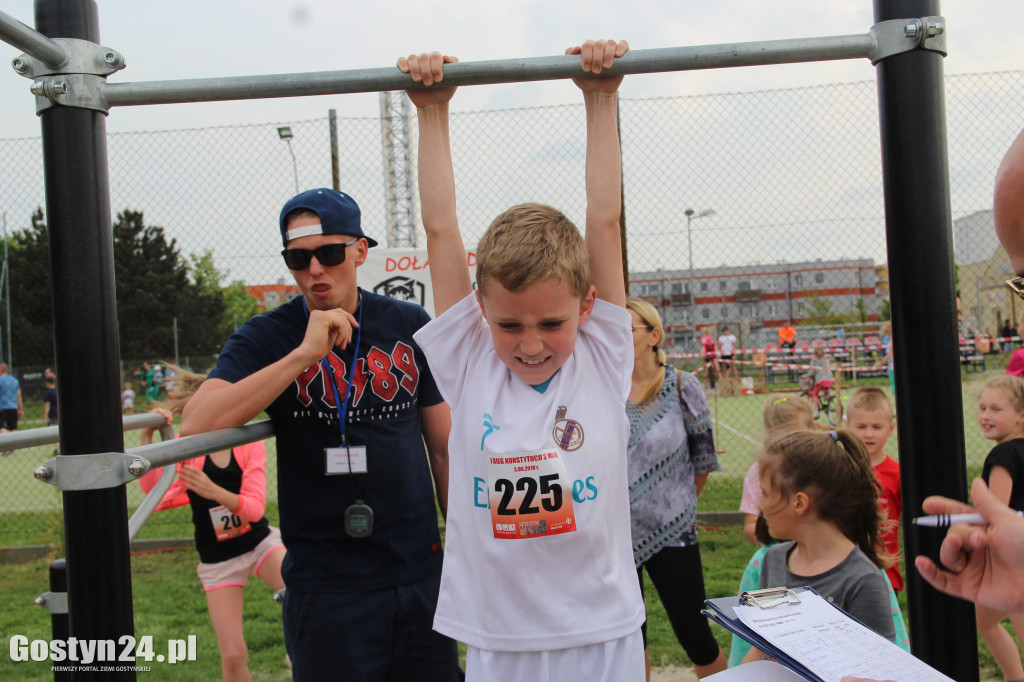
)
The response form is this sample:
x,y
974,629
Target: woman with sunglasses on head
x,y
671,452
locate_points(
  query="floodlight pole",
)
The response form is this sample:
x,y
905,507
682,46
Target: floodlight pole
x,y
332,124
285,133
86,346
7,291
919,238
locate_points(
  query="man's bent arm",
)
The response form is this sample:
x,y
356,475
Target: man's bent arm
x,y
220,404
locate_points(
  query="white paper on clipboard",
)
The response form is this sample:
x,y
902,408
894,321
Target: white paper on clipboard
x,y
831,644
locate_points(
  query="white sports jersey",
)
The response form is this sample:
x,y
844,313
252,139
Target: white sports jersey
x,y
537,554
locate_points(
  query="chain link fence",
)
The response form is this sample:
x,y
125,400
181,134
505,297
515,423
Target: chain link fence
x,y
742,210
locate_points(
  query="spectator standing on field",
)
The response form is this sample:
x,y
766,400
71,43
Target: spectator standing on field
x,y
50,401
727,347
710,359
150,387
787,336
128,399
11,405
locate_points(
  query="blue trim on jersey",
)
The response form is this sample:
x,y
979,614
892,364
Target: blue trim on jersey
x,y
543,386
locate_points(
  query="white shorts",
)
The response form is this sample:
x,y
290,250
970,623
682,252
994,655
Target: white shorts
x,y
235,571
620,660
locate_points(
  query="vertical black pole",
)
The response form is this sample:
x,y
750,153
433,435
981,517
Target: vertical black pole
x,y
86,345
921,283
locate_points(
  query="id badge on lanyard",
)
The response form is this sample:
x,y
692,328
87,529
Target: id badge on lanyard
x,y
348,459
531,495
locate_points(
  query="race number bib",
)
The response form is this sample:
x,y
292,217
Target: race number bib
x,y
531,495
227,525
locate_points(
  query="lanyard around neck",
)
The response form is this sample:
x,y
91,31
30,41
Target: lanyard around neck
x,y
342,407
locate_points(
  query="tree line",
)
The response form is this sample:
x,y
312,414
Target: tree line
x,y
155,284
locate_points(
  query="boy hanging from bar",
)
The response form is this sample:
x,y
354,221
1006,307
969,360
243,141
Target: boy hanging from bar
x,y
538,577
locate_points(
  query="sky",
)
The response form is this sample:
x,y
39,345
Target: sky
x,y
189,39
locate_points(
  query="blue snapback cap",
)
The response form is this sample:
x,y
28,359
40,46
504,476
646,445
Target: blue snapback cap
x,y
339,214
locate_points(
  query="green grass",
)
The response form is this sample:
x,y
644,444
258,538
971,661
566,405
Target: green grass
x,y
169,604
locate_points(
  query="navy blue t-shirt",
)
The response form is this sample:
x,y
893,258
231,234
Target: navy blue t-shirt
x,y
392,382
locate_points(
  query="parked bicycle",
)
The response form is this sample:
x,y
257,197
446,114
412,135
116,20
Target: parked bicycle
x,y
824,398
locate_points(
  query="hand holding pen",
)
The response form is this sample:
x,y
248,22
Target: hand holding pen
x,y
983,564
947,520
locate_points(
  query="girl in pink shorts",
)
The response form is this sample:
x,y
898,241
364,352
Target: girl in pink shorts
x,y
227,493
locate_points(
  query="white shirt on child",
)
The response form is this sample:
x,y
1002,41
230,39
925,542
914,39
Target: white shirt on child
x,y
567,588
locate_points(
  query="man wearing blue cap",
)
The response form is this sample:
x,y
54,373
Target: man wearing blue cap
x,y
353,403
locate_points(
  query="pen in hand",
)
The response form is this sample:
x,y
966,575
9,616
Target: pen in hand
x,y
946,520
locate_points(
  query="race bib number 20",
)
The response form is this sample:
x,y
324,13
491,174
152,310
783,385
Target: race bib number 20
x,y
531,495
227,525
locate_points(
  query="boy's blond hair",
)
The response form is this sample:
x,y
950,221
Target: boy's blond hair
x,y
530,243
871,398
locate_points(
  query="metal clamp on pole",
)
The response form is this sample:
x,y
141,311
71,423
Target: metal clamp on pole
x,y
75,83
54,602
92,472
897,36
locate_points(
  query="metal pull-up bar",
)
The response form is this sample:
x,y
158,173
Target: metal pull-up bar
x,y
18,35
91,90
490,71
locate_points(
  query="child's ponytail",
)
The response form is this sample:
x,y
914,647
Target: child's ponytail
x,y
834,470
866,521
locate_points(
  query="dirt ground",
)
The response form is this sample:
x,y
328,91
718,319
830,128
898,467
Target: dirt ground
x,y
675,674
672,674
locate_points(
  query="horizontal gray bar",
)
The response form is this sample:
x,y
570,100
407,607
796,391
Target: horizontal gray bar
x,y
31,41
180,449
484,72
30,438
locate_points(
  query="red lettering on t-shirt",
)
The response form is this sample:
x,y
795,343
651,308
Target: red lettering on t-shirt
x,y
303,382
405,361
383,382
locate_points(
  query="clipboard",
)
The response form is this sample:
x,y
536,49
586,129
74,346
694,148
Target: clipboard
x,y
722,612
809,620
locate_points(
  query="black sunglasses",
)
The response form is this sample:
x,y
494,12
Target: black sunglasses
x,y
327,255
